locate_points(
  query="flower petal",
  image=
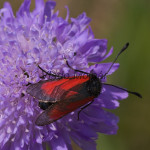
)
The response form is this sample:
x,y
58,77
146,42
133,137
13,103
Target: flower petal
x,y
109,96
9,12
101,120
103,68
82,21
38,5
84,143
49,6
58,143
25,7
95,46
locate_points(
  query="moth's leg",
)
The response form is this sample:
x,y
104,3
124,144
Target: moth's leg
x,y
84,108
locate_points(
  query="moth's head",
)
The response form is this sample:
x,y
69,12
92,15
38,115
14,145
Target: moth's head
x,y
94,85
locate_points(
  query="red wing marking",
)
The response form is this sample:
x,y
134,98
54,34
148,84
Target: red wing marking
x,y
79,103
76,81
70,93
48,87
56,113
59,110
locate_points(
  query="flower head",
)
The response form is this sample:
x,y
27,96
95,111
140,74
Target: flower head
x,y
43,38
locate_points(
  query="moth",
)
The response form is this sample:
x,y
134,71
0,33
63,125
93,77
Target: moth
x,y
59,97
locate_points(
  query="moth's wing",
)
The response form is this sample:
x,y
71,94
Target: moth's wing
x,y
55,90
45,90
62,108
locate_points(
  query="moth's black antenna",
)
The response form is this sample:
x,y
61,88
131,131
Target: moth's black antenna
x,y
50,74
75,69
122,50
134,93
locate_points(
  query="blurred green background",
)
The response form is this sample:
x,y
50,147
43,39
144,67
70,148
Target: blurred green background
x,y
120,22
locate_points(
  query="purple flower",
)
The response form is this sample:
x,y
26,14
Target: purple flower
x,y
43,38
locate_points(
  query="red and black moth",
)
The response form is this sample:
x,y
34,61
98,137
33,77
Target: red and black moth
x,y
61,96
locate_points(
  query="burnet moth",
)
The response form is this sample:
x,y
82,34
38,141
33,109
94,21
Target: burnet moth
x,y
60,96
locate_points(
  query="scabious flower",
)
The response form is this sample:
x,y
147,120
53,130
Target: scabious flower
x,y
43,38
